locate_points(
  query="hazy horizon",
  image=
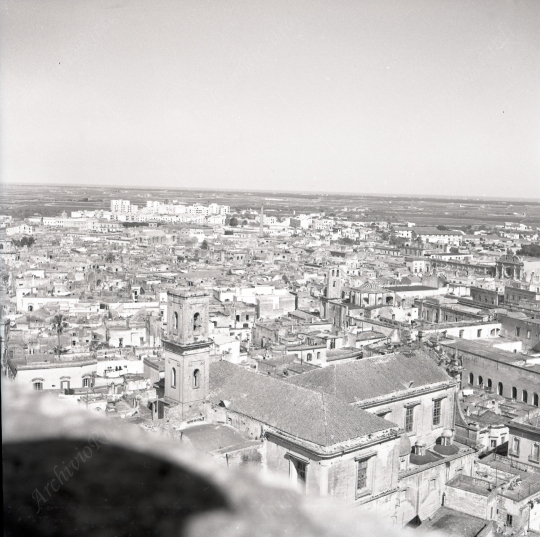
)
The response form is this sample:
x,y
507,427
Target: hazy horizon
x,y
424,98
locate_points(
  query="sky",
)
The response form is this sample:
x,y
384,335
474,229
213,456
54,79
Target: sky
x,y
377,97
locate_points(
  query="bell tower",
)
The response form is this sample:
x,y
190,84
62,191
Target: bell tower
x,y
333,283
187,350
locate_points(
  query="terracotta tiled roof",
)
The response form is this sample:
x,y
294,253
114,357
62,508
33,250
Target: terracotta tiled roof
x,y
374,377
310,415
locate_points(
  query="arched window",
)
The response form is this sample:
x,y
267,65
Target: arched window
x,y
175,320
333,284
333,272
514,392
535,399
196,378
309,357
489,383
30,307
196,321
524,396
173,378
471,379
38,386
480,380
500,388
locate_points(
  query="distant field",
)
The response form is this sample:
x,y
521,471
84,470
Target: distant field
x,y
25,200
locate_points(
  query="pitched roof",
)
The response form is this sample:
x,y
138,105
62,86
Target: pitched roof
x,y
310,415
374,377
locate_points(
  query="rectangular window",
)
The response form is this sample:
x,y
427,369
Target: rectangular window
x,y
301,469
509,519
409,419
517,331
515,446
437,404
493,444
86,383
361,474
300,472
38,386
535,455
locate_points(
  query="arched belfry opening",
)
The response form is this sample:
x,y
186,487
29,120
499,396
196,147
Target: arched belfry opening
x,y
196,322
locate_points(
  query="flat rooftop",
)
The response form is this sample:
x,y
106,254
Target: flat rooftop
x,y
450,522
211,436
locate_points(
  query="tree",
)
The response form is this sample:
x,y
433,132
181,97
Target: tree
x,y
441,227
24,241
204,245
109,258
233,222
532,250
59,324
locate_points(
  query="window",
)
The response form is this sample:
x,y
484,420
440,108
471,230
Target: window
x,y
409,419
309,357
500,388
514,392
493,444
535,455
175,320
197,378
479,333
471,379
361,475
509,519
524,396
437,404
120,341
86,382
528,334
480,380
173,378
535,399
38,386
196,321
247,317
489,384
299,472
238,317
515,446
461,332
